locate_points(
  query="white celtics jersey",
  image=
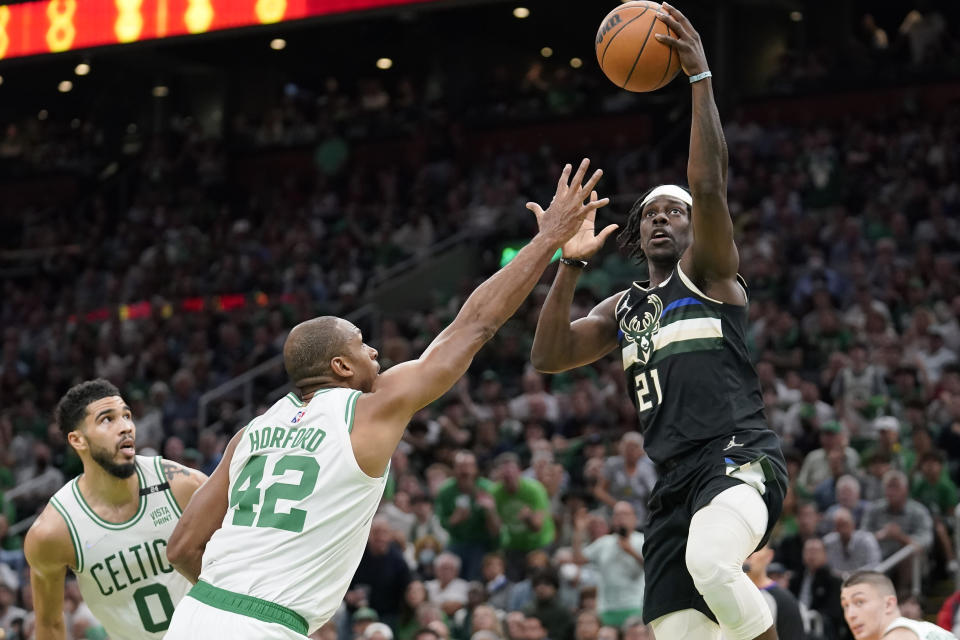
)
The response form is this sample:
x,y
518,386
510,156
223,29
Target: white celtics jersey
x,y
122,568
924,630
299,508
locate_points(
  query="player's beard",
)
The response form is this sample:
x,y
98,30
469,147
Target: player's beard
x,y
104,458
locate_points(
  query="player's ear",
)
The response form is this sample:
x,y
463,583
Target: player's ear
x,y
77,440
341,367
890,604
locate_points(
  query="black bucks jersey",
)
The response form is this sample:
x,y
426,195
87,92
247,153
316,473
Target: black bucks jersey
x,y
688,370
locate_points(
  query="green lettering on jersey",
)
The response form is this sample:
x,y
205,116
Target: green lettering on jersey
x,y
158,591
161,554
153,565
254,440
93,572
301,436
126,569
315,440
136,552
264,438
307,433
290,433
277,440
114,573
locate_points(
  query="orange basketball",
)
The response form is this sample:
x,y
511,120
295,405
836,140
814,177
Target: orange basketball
x,y
628,52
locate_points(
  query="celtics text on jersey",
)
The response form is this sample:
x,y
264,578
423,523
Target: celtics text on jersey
x,y
122,569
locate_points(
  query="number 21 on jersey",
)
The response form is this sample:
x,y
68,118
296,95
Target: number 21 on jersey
x,y
648,389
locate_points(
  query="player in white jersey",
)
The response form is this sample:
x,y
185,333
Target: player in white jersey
x,y
277,533
870,608
110,525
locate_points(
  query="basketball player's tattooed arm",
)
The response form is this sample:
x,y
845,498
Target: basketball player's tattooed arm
x,y
382,414
712,259
184,481
201,518
49,551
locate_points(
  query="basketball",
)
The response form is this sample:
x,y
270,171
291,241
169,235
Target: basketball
x,y
628,52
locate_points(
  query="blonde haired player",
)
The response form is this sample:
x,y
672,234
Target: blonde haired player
x,y
870,608
110,525
273,539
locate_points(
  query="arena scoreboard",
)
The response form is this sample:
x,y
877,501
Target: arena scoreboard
x,y
54,26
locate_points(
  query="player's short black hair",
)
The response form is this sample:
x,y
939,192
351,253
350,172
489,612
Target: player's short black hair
x,y
628,240
311,346
72,408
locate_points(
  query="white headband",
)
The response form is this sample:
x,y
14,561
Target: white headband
x,y
670,190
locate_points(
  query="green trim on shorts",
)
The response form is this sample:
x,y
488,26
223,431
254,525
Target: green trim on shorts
x,y
616,617
248,606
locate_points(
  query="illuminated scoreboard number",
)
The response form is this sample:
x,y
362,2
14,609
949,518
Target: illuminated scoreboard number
x,y
129,24
199,16
270,11
4,38
62,31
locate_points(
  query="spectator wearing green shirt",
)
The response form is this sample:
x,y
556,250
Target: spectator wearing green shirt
x,y
935,490
468,512
524,509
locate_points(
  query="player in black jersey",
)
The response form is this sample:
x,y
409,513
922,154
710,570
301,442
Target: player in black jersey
x,y
682,336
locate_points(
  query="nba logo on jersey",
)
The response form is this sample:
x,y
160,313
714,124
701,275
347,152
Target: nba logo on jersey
x,y
297,418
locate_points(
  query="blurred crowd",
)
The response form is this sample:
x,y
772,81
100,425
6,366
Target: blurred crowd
x,y
516,504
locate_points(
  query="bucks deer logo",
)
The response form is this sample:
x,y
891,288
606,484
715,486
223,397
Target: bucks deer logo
x,y
640,331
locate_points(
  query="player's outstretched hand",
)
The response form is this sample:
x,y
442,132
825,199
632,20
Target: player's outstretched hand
x,y
687,43
586,242
568,210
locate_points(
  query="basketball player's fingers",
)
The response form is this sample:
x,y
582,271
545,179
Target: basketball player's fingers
x,y
591,217
564,180
673,23
607,230
667,40
535,208
591,183
677,15
578,176
593,205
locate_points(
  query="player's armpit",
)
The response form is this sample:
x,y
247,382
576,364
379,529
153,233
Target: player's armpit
x,y
184,481
202,516
49,550
383,414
